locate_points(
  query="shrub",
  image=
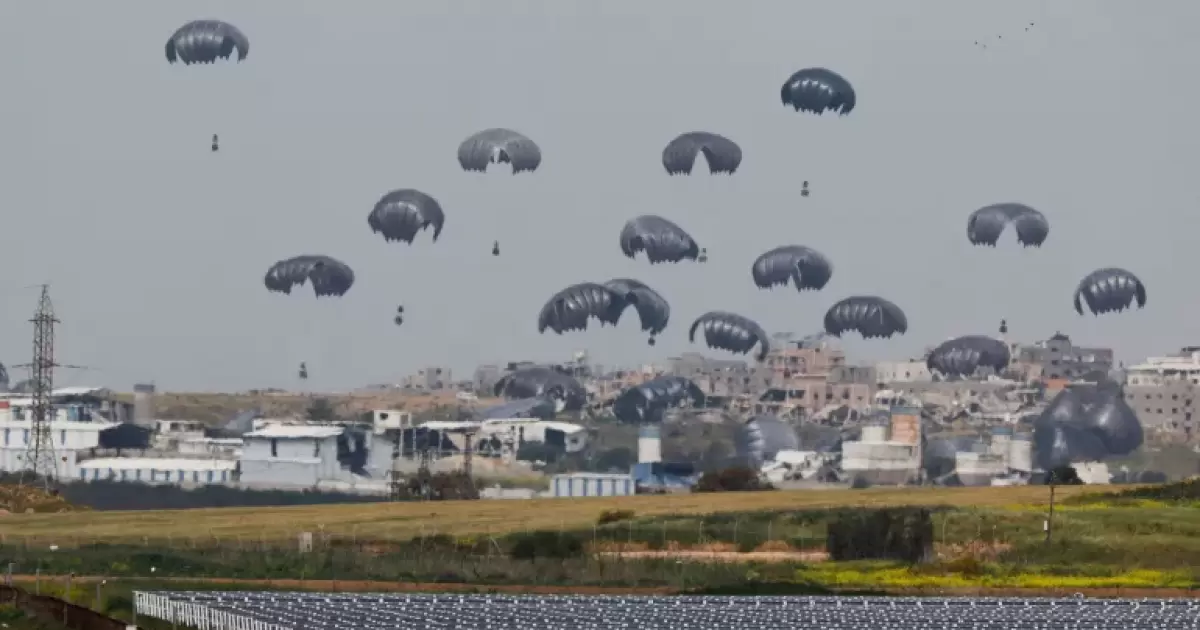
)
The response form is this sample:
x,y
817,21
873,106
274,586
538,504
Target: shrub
x,y
733,479
546,544
885,534
614,516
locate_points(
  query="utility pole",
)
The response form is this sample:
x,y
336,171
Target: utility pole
x,y
39,450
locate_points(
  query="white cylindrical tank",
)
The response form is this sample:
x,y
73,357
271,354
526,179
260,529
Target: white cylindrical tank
x,y
874,434
1020,453
649,444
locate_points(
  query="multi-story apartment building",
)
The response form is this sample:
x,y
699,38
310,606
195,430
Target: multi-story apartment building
x,y
1058,359
1163,391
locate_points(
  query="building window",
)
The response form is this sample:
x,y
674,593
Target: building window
x,y
62,438
274,448
210,476
316,448
6,436
137,474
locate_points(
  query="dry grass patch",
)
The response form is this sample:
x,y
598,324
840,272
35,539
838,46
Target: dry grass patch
x,y
399,521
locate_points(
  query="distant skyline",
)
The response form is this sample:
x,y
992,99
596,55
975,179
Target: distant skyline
x,y
155,247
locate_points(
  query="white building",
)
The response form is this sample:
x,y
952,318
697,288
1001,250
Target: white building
x,y
291,456
583,484
79,417
154,470
879,461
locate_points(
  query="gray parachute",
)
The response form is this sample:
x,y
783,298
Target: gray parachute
x,y
652,308
762,437
539,381
648,403
661,240
723,155
818,90
206,41
962,356
731,332
571,308
1086,424
986,224
807,268
1109,290
499,146
868,315
328,276
401,214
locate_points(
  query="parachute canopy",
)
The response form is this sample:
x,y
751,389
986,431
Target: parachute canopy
x,y
1086,424
328,276
818,90
1109,290
646,403
762,437
401,214
731,332
499,146
723,155
205,41
571,308
539,381
962,356
868,315
662,240
652,308
986,224
805,267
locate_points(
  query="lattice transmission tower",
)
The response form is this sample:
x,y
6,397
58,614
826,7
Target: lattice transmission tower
x,y
40,461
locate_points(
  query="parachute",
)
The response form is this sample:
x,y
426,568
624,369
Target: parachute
x,y
731,332
652,308
542,382
870,316
662,240
806,268
328,276
985,225
1086,424
817,90
206,41
723,155
499,146
571,308
962,356
1109,290
761,438
401,214
648,402
399,317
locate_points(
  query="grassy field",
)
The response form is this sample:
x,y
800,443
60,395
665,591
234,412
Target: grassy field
x,y
398,521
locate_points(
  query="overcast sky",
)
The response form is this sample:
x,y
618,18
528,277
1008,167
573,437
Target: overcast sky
x,y
155,247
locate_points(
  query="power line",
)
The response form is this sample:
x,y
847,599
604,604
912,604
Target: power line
x,y
39,449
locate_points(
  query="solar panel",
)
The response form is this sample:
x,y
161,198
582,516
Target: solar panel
x,y
366,611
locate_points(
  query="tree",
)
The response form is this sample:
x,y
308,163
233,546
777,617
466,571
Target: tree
x,y
320,410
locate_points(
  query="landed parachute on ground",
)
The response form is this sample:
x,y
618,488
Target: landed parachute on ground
x,y
661,240
1109,290
986,224
401,214
648,402
206,41
818,90
1086,424
962,356
807,268
571,308
868,315
499,146
731,332
328,276
542,382
722,154
762,437
652,308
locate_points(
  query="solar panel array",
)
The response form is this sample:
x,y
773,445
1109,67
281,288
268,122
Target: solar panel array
x,y
318,611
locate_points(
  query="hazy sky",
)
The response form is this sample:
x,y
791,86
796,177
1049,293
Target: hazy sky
x,y
155,248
